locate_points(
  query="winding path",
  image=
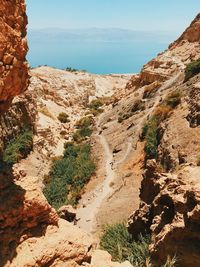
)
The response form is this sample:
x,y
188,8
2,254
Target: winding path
x,y
87,215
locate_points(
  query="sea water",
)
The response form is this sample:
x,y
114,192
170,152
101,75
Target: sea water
x,y
101,57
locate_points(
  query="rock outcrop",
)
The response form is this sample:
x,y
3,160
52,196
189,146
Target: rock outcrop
x,y
173,60
170,211
170,191
13,49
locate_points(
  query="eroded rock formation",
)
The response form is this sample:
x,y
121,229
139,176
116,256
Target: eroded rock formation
x,y
13,49
170,202
170,211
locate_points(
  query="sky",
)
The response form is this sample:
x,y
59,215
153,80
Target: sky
x,y
142,15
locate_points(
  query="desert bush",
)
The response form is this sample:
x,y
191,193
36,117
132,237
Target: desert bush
x,y
120,244
138,105
81,134
69,174
173,99
96,104
84,122
63,117
84,126
95,112
19,147
150,133
162,112
192,69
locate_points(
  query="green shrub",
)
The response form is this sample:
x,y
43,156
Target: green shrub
x,y
95,104
192,69
69,174
19,147
81,134
63,117
84,122
84,126
119,243
150,133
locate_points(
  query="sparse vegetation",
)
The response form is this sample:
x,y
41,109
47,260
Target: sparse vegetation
x,y
63,117
95,106
192,69
69,174
162,112
44,110
120,244
84,122
150,129
138,105
125,117
151,135
84,130
173,99
19,147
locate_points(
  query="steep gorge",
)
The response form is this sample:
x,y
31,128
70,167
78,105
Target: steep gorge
x,y
32,234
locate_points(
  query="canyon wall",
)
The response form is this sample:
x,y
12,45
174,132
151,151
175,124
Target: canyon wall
x,y
13,49
169,209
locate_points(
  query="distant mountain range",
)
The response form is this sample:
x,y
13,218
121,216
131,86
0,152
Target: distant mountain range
x,y
98,35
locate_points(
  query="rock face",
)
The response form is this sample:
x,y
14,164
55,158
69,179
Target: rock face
x,y
173,60
170,202
13,49
194,106
170,211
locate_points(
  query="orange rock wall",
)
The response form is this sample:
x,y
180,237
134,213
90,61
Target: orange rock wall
x,y
13,49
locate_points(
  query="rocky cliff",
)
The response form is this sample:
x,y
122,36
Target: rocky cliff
x,y
171,61
169,206
13,48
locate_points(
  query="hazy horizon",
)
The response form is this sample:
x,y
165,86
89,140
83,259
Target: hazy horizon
x,y
107,36
100,51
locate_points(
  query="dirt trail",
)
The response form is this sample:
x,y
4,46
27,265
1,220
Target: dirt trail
x,y
87,213
92,201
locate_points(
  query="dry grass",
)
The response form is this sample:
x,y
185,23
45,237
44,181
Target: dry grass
x,y
44,110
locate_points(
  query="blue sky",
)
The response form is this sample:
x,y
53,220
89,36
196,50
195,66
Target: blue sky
x,y
144,15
